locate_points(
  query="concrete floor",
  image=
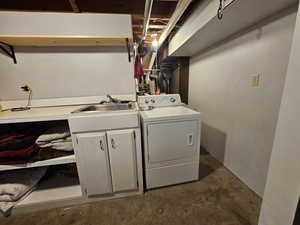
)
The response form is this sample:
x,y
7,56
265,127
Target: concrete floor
x,y
219,198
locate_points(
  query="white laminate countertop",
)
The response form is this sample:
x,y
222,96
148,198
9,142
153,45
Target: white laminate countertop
x,y
38,114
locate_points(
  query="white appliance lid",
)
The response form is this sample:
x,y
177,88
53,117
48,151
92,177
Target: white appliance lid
x,y
175,112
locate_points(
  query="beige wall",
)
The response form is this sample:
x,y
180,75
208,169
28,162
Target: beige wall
x,y
239,120
283,184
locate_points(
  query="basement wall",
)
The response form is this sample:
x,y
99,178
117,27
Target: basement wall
x,y
66,72
239,120
60,72
283,184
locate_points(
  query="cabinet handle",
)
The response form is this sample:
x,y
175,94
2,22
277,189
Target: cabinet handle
x,y
113,144
101,145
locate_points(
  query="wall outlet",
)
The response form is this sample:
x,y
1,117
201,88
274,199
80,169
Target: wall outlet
x,y
255,80
25,88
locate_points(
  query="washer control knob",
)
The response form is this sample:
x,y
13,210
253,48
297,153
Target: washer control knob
x,y
172,100
153,101
146,101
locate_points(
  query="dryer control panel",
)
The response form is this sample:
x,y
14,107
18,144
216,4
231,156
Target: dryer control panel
x,y
160,100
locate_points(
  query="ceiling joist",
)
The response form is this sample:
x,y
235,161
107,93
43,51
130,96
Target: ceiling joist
x,y
180,9
150,26
74,6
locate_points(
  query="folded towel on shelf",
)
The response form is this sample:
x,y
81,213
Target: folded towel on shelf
x,y
59,144
16,184
53,134
57,138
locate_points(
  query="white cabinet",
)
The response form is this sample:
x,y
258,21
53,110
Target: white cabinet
x,y
107,161
121,145
94,171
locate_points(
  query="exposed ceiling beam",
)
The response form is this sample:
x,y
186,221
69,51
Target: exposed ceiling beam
x,y
180,9
74,6
153,17
150,26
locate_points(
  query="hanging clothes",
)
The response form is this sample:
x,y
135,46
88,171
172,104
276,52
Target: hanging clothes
x,y
138,68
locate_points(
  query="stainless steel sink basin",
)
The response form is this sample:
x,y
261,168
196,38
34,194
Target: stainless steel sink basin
x,y
104,107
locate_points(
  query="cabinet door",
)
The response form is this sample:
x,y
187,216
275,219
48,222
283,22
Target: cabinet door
x,y
94,163
121,145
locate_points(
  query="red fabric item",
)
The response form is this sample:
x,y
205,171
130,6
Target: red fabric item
x,y
20,154
138,68
12,162
10,138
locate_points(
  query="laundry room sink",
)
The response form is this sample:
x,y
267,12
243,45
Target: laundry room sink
x,y
105,107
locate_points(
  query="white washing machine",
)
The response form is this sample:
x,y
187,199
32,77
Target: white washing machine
x,y
171,141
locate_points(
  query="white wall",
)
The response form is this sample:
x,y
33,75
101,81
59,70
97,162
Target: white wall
x,y
86,24
283,184
240,120
64,72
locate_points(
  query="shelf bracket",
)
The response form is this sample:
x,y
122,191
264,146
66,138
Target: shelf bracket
x,y
128,50
11,52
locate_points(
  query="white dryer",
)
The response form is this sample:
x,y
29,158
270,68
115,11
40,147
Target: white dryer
x,y
171,141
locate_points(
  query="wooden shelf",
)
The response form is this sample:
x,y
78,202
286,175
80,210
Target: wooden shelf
x,y
55,161
54,40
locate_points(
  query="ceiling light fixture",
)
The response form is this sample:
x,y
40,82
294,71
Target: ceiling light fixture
x,y
155,43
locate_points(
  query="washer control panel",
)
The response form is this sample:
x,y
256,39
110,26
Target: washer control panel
x,y
159,100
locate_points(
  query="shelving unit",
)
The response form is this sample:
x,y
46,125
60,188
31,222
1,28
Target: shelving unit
x,y
54,161
8,42
9,50
51,191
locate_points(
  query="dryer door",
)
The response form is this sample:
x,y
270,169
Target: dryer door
x,y
172,141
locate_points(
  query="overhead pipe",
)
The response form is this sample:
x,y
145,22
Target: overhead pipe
x,y
147,15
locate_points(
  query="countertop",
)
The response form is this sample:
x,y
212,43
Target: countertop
x,y
38,114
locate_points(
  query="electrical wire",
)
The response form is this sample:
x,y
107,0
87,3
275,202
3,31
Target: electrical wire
x,y
27,107
29,99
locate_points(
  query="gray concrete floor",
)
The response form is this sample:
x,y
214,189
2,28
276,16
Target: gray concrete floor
x,y
219,198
